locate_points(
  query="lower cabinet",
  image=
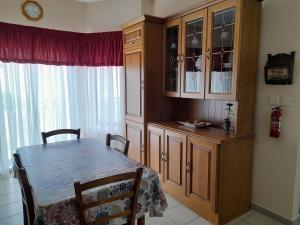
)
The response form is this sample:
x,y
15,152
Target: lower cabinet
x,y
211,177
202,172
187,166
155,150
175,161
135,134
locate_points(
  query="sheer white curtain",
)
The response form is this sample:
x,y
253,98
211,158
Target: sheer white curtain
x,y
36,98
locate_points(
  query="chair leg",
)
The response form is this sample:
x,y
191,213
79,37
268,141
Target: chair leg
x,y
25,218
141,221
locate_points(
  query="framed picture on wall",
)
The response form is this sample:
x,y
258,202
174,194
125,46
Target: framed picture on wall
x,y
279,69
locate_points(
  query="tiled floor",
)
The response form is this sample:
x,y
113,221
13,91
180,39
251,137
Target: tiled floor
x,y
176,214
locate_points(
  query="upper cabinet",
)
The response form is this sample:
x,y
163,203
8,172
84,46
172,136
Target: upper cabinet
x,y
222,51
202,51
173,57
184,54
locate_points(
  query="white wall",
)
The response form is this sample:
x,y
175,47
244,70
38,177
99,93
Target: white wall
x,y
275,181
163,8
66,15
110,14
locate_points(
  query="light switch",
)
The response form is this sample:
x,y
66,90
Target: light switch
x,y
274,100
287,101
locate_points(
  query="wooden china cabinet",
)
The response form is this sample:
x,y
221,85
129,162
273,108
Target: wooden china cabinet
x,y
188,66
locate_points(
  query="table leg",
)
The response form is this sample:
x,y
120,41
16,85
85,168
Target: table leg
x,y
141,221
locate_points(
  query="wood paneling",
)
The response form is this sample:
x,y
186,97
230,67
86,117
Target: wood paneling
x,y
133,35
134,79
135,133
155,148
175,160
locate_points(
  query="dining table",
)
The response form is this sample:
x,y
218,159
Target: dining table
x,y
53,168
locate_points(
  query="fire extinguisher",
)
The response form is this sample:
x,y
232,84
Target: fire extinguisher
x,y
275,121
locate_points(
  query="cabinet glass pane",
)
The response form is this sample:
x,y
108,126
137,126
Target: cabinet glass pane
x,y
222,51
193,56
171,62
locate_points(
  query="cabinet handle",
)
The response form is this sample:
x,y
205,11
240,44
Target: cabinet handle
x,y
208,54
182,58
166,157
162,158
188,167
142,85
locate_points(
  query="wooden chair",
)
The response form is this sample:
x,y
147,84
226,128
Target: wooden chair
x,y
27,199
132,195
120,139
45,135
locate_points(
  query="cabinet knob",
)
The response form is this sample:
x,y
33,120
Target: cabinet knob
x,y
142,85
208,53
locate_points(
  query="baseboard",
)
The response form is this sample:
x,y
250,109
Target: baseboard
x,y
274,215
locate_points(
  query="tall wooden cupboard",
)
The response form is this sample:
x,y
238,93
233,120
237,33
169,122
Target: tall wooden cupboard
x,y
143,80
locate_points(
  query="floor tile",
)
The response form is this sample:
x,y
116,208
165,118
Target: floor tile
x,y
13,220
242,223
10,198
260,219
8,189
161,221
11,210
172,202
180,215
251,212
199,221
6,180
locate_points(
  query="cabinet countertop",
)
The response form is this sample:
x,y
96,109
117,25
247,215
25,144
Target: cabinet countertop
x,y
213,134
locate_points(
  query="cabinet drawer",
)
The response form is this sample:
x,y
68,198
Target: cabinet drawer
x,y
133,35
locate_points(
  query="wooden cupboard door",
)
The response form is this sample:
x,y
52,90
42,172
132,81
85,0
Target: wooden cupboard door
x,y
155,149
135,135
172,58
175,161
134,83
222,50
201,172
194,28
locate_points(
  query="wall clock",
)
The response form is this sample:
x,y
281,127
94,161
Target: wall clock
x,y
32,10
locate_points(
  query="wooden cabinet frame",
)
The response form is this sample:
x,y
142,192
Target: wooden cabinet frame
x,y
211,10
185,19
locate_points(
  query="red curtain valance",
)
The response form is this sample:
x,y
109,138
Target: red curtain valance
x,y
23,44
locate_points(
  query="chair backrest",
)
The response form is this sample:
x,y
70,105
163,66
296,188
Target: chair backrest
x,y
131,194
25,190
120,139
45,135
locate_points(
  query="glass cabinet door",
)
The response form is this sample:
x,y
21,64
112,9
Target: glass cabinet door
x,y
172,58
221,51
194,45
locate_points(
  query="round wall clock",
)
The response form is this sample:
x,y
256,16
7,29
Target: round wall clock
x,y
32,10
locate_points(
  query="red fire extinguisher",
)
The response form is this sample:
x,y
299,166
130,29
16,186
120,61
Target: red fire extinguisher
x,y
275,121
